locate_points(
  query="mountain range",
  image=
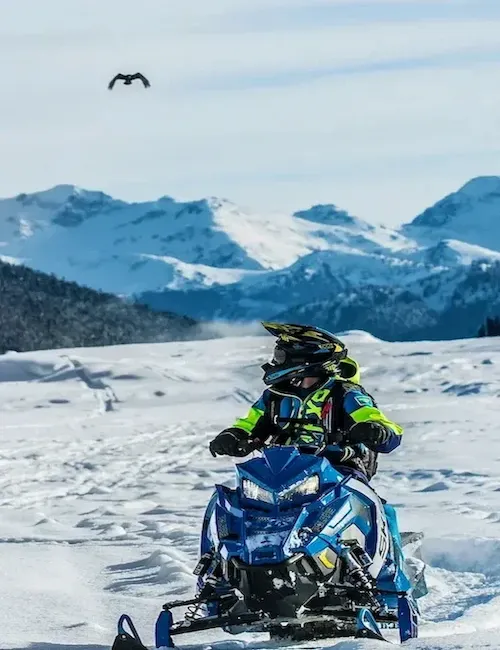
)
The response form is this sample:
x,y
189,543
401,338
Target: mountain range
x,y
437,276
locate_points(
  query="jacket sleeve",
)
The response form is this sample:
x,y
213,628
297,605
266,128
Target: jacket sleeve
x,y
360,407
257,421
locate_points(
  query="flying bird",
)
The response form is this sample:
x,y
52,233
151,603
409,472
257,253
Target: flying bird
x,y
128,79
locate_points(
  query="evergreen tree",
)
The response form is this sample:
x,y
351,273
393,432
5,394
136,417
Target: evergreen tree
x,y
491,327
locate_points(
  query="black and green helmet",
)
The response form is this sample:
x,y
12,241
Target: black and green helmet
x,y
302,351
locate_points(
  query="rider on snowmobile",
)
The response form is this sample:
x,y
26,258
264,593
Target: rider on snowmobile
x,y
314,399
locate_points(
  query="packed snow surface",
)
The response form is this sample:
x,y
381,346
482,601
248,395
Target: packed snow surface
x,y
105,473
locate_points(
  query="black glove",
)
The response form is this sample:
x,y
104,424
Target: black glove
x,y
371,434
231,442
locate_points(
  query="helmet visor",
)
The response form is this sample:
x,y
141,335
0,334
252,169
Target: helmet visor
x,y
287,357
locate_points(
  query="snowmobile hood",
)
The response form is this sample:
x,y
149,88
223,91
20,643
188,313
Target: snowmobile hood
x,y
282,465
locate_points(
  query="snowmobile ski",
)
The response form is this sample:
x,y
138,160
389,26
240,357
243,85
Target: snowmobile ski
x,y
367,627
127,640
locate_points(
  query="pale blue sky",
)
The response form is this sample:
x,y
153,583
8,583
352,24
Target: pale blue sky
x,y
312,14
379,107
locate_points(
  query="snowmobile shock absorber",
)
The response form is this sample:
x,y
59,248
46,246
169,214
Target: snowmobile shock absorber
x,y
360,579
357,561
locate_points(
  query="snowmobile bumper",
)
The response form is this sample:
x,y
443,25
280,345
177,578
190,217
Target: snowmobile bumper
x,y
360,625
365,626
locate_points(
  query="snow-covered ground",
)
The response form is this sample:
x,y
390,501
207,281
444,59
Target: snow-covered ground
x,y
105,471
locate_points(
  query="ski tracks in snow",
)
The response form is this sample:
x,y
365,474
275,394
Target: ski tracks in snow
x,y
127,488
111,482
103,392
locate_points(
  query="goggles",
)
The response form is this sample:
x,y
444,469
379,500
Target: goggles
x,y
290,357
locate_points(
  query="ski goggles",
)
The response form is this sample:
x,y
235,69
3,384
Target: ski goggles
x,y
291,357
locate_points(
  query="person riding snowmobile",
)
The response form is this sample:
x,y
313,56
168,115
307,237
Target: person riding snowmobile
x,y
315,399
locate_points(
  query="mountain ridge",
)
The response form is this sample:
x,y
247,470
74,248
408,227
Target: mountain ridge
x,y
467,215
209,258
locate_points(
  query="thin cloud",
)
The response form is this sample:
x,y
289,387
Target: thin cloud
x,y
281,117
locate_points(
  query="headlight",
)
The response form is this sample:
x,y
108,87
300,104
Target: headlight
x,y
253,491
304,488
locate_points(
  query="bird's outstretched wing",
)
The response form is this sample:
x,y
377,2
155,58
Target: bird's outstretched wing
x,y
140,76
115,79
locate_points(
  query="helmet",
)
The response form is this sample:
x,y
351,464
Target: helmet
x,y
302,351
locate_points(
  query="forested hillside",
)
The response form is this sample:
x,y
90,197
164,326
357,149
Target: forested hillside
x,y
39,311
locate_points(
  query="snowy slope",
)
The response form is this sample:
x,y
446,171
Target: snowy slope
x,y
427,281
105,472
320,276
91,238
471,215
212,259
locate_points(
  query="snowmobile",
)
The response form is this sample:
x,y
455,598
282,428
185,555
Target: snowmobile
x,y
299,549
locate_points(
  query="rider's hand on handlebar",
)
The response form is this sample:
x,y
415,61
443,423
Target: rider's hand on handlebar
x,y
371,434
233,442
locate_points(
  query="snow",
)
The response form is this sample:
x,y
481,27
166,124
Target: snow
x,y
450,252
105,472
9,260
470,215
108,244
185,276
210,257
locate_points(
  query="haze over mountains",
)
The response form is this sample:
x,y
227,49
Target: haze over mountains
x,y
435,277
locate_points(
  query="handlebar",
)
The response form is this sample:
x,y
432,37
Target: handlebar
x,y
274,441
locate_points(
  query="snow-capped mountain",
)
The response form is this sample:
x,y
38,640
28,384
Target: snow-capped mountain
x,y
123,247
212,259
471,215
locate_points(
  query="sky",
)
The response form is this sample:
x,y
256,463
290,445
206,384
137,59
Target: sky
x,y
381,107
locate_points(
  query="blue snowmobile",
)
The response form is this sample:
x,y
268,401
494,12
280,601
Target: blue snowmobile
x,y
299,550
